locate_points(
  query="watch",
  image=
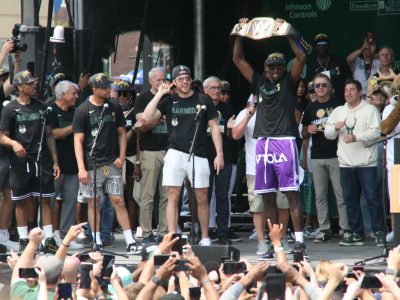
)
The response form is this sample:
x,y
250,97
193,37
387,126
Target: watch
x,y
389,271
156,280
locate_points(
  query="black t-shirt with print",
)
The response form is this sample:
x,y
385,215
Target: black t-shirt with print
x,y
59,118
180,118
229,146
155,139
276,102
130,121
338,70
24,123
87,121
317,114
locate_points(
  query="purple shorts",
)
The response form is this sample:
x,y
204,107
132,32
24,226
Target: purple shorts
x,y
277,165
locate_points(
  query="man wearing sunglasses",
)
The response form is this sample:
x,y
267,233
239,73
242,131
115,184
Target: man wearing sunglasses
x,y
325,164
276,129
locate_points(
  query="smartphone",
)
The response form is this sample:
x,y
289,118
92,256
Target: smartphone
x,y
180,265
108,263
3,258
234,267
297,256
178,244
64,291
195,293
83,257
160,259
184,240
371,282
85,275
28,273
358,268
275,286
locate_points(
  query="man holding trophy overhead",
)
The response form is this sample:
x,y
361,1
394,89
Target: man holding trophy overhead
x,y
277,165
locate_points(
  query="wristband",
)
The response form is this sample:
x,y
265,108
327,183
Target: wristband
x,y
205,281
156,280
137,162
66,246
278,248
389,271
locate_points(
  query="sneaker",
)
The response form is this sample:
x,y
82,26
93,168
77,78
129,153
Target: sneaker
x,y
75,246
253,235
107,241
310,233
301,247
268,255
390,237
351,239
149,239
10,245
287,248
50,245
322,237
205,242
224,240
57,237
380,238
233,237
289,237
134,248
262,248
212,234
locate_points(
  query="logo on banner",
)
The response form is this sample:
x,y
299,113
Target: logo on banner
x,y
307,9
323,4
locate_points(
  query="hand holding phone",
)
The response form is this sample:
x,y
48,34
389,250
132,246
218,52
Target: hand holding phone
x,y
28,273
178,244
85,275
64,291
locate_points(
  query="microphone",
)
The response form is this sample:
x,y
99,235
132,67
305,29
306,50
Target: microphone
x,y
199,113
46,111
103,110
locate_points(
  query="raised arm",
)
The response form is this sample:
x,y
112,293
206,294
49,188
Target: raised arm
x,y
238,57
151,111
299,61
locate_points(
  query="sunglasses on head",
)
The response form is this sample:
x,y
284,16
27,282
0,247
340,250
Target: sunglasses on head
x,y
123,94
322,85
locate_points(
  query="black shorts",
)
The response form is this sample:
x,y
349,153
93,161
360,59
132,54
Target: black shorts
x,y
24,180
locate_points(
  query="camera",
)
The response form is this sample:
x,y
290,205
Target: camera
x,y
18,46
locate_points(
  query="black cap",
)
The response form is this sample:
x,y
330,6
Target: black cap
x,y
100,81
124,86
180,70
24,77
275,58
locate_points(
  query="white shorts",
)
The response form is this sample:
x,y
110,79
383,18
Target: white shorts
x,y
177,168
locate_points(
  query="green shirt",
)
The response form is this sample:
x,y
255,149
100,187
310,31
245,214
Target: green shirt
x,y
21,290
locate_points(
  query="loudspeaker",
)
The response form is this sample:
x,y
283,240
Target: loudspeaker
x,y
214,253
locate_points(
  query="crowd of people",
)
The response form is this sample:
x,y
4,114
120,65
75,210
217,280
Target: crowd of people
x,y
96,151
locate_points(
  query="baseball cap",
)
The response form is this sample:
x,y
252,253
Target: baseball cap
x,y
99,81
310,87
275,58
24,77
57,78
51,265
123,86
3,72
321,39
180,70
225,86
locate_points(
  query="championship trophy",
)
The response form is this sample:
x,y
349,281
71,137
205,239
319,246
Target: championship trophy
x,y
262,28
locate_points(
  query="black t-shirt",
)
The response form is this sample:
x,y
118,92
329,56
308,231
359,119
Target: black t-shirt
x,y
338,69
24,123
155,139
180,114
130,121
59,118
275,106
87,121
229,146
317,114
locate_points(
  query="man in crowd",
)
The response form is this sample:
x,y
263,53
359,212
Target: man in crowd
x,y
357,124
182,111
332,65
88,117
276,153
325,164
221,182
153,145
20,129
60,119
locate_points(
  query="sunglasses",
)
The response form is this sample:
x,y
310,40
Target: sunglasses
x,y
123,94
322,85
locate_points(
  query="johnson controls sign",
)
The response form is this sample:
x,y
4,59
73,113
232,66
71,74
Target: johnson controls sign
x,y
302,10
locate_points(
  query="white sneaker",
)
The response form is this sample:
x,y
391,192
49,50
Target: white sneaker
x,y
139,232
57,237
205,242
10,245
262,248
390,237
253,236
75,246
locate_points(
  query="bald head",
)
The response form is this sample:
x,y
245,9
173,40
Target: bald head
x,y
71,269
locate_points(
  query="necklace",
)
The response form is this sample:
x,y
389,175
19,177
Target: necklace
x,y
326,65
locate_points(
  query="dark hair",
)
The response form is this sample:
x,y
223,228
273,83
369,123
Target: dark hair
x,y
355,82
